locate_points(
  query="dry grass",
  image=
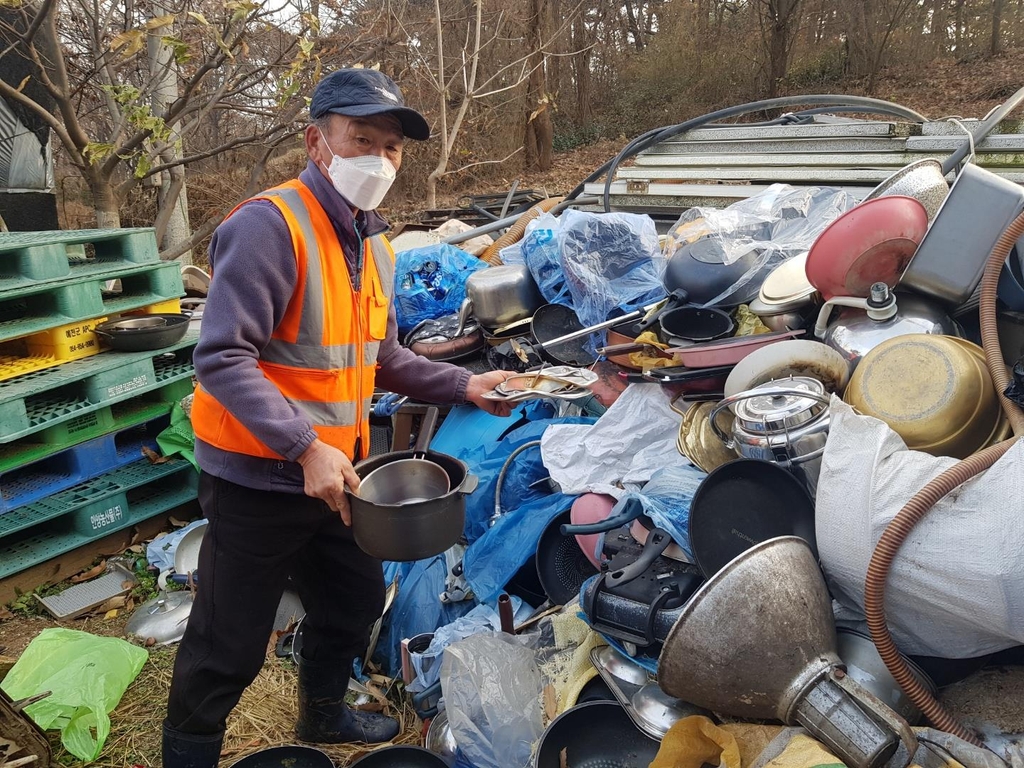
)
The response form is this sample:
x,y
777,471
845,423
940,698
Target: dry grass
x,y
265,717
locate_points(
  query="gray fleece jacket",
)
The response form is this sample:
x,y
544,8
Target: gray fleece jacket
x,y
254,276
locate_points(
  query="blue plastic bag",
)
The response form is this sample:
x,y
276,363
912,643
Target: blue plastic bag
x,y
541,249
430,282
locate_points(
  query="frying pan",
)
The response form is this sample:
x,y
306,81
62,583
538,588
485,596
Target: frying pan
x,y
743,503
562,567
586,509
598,734
549,323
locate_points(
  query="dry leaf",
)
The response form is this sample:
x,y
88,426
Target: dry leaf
x,y
113,603
5,614
92,573
563,760
153,456
177,523
150,642
369,706
111,614
136,549
127,584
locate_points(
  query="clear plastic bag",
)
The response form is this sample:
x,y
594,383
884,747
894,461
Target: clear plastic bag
x,y
541,251
87,675
761,231
666,499
610,261
492,690
430,282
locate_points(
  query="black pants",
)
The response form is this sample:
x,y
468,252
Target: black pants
x,y
254,541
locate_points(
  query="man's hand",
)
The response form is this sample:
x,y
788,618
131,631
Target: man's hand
x,y
485,382
327,471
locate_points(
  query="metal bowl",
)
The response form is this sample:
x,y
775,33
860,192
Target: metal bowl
x,y
866,667
934,391
134,323
138,334
439,739
655,711
922,180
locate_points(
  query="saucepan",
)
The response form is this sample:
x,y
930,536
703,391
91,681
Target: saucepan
x,y
682,322
500,295
423,524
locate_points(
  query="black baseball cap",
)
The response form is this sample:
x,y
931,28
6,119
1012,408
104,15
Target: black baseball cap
x,y
364,92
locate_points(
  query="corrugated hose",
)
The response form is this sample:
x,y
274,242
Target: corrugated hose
x,y
899,529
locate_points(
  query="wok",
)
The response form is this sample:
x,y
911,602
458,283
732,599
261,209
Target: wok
x,y
139,334
291,755
400,757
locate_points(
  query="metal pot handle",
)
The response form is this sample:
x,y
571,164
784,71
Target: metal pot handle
x,y
469,484
750,394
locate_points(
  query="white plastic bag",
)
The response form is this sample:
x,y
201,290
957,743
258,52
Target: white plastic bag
x,y
492,691
956,587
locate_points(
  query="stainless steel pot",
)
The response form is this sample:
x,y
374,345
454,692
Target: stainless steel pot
x,y
415,531
502,295
785,422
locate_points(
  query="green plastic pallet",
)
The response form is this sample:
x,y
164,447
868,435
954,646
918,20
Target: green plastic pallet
x,y
122,509
31,258
40,307
37,401
80,429
82,499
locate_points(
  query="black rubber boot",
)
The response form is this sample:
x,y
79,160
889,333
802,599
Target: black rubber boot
x,y
190,750
324,717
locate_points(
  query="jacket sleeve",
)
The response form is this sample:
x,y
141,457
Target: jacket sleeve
x,y
254,275
403,371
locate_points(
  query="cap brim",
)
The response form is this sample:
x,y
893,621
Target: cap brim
x,y
414,125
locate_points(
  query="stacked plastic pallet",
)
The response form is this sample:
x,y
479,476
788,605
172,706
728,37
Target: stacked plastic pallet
x,y
75,418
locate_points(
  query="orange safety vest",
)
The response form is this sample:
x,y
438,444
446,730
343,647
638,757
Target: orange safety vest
x,y
323,355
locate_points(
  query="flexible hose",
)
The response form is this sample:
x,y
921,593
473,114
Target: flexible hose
x,y
516,231
899,529
501,477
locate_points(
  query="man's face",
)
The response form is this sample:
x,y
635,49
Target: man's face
x,y
379,135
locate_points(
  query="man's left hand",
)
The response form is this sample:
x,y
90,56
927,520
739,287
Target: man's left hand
x,y
485,382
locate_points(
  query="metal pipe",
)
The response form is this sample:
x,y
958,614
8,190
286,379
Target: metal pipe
x,y
984,130
508,221
505,614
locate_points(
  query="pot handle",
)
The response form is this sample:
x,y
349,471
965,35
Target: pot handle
x,y
749,395
632,511
677,298
426,432
469,485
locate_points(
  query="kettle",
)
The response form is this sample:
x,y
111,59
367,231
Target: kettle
x,y
785,421
863,324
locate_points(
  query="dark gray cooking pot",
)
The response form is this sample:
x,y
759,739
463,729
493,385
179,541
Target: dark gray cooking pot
x,y
416,531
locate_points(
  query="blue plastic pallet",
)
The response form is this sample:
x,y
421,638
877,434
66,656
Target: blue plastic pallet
x,y
63,470
113,513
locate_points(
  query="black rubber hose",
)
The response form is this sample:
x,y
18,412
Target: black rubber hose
x,y
657,135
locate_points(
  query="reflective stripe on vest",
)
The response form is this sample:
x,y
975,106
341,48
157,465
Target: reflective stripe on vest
x,y
323,367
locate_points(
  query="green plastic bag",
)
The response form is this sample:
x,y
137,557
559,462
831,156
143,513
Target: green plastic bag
x,y
87,676
178,437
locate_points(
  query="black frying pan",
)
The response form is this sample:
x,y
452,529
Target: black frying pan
x,y
291,755
598,734
743,503
553,321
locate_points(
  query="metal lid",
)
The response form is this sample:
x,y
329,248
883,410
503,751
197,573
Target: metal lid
x,y
777,413
163,618
787,283
655,711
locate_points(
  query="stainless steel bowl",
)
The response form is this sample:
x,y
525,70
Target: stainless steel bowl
x,y
406,481
439,739
135,323
866,667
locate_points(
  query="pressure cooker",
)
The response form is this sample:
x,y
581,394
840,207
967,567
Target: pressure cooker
x,y
785,421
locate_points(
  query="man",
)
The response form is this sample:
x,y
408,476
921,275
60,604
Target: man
x,y
297,330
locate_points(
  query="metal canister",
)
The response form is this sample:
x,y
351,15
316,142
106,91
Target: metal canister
x,y
784,421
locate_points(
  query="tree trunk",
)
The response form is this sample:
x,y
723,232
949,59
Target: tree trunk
x,y
581,71
539,137
959,36
995,46
783,21
104,201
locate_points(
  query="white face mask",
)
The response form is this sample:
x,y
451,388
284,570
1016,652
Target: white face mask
x,y
363,180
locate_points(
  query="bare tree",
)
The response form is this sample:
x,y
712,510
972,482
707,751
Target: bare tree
x,y
870,27
780,20
117,121
995,45
538,141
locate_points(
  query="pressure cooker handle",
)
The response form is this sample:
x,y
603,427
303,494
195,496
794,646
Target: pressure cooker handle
x,y
426,431
750,394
